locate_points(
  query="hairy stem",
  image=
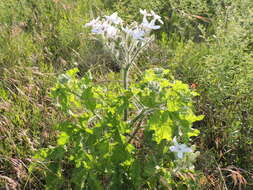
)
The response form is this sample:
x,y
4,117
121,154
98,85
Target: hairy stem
x,y
139,118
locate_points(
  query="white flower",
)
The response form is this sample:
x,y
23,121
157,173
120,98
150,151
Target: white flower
x,y
180,149
114,18
137,33
149,25
156,17
98,29
97,26
102,27
111,31
93,23
144,13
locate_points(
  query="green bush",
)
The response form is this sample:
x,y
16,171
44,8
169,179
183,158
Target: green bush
x,y
97,149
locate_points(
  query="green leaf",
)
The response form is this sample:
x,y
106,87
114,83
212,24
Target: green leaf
x,y
94,183
57,153
136,173
72,72
88,99
162,125
192,118
163,132
195,132
63,139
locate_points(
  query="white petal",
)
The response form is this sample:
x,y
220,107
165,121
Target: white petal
x,y
160,20
174,148
93,22
175,140
182,146
97,30
152,12
155,27
114,18
187,149
144,13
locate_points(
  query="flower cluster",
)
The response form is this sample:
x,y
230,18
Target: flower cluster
x,y
112,26
125,41
105,26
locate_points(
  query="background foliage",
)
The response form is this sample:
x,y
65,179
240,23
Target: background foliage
x,y
207,44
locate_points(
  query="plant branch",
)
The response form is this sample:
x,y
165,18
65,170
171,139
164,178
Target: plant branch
x,y
139,118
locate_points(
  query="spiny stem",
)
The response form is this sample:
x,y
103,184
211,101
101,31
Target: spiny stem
x,y
135,131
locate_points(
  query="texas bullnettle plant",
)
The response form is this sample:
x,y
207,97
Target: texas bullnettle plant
x,y
125,42
122,134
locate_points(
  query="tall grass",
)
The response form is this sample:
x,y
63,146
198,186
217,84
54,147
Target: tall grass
x,y
38,39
